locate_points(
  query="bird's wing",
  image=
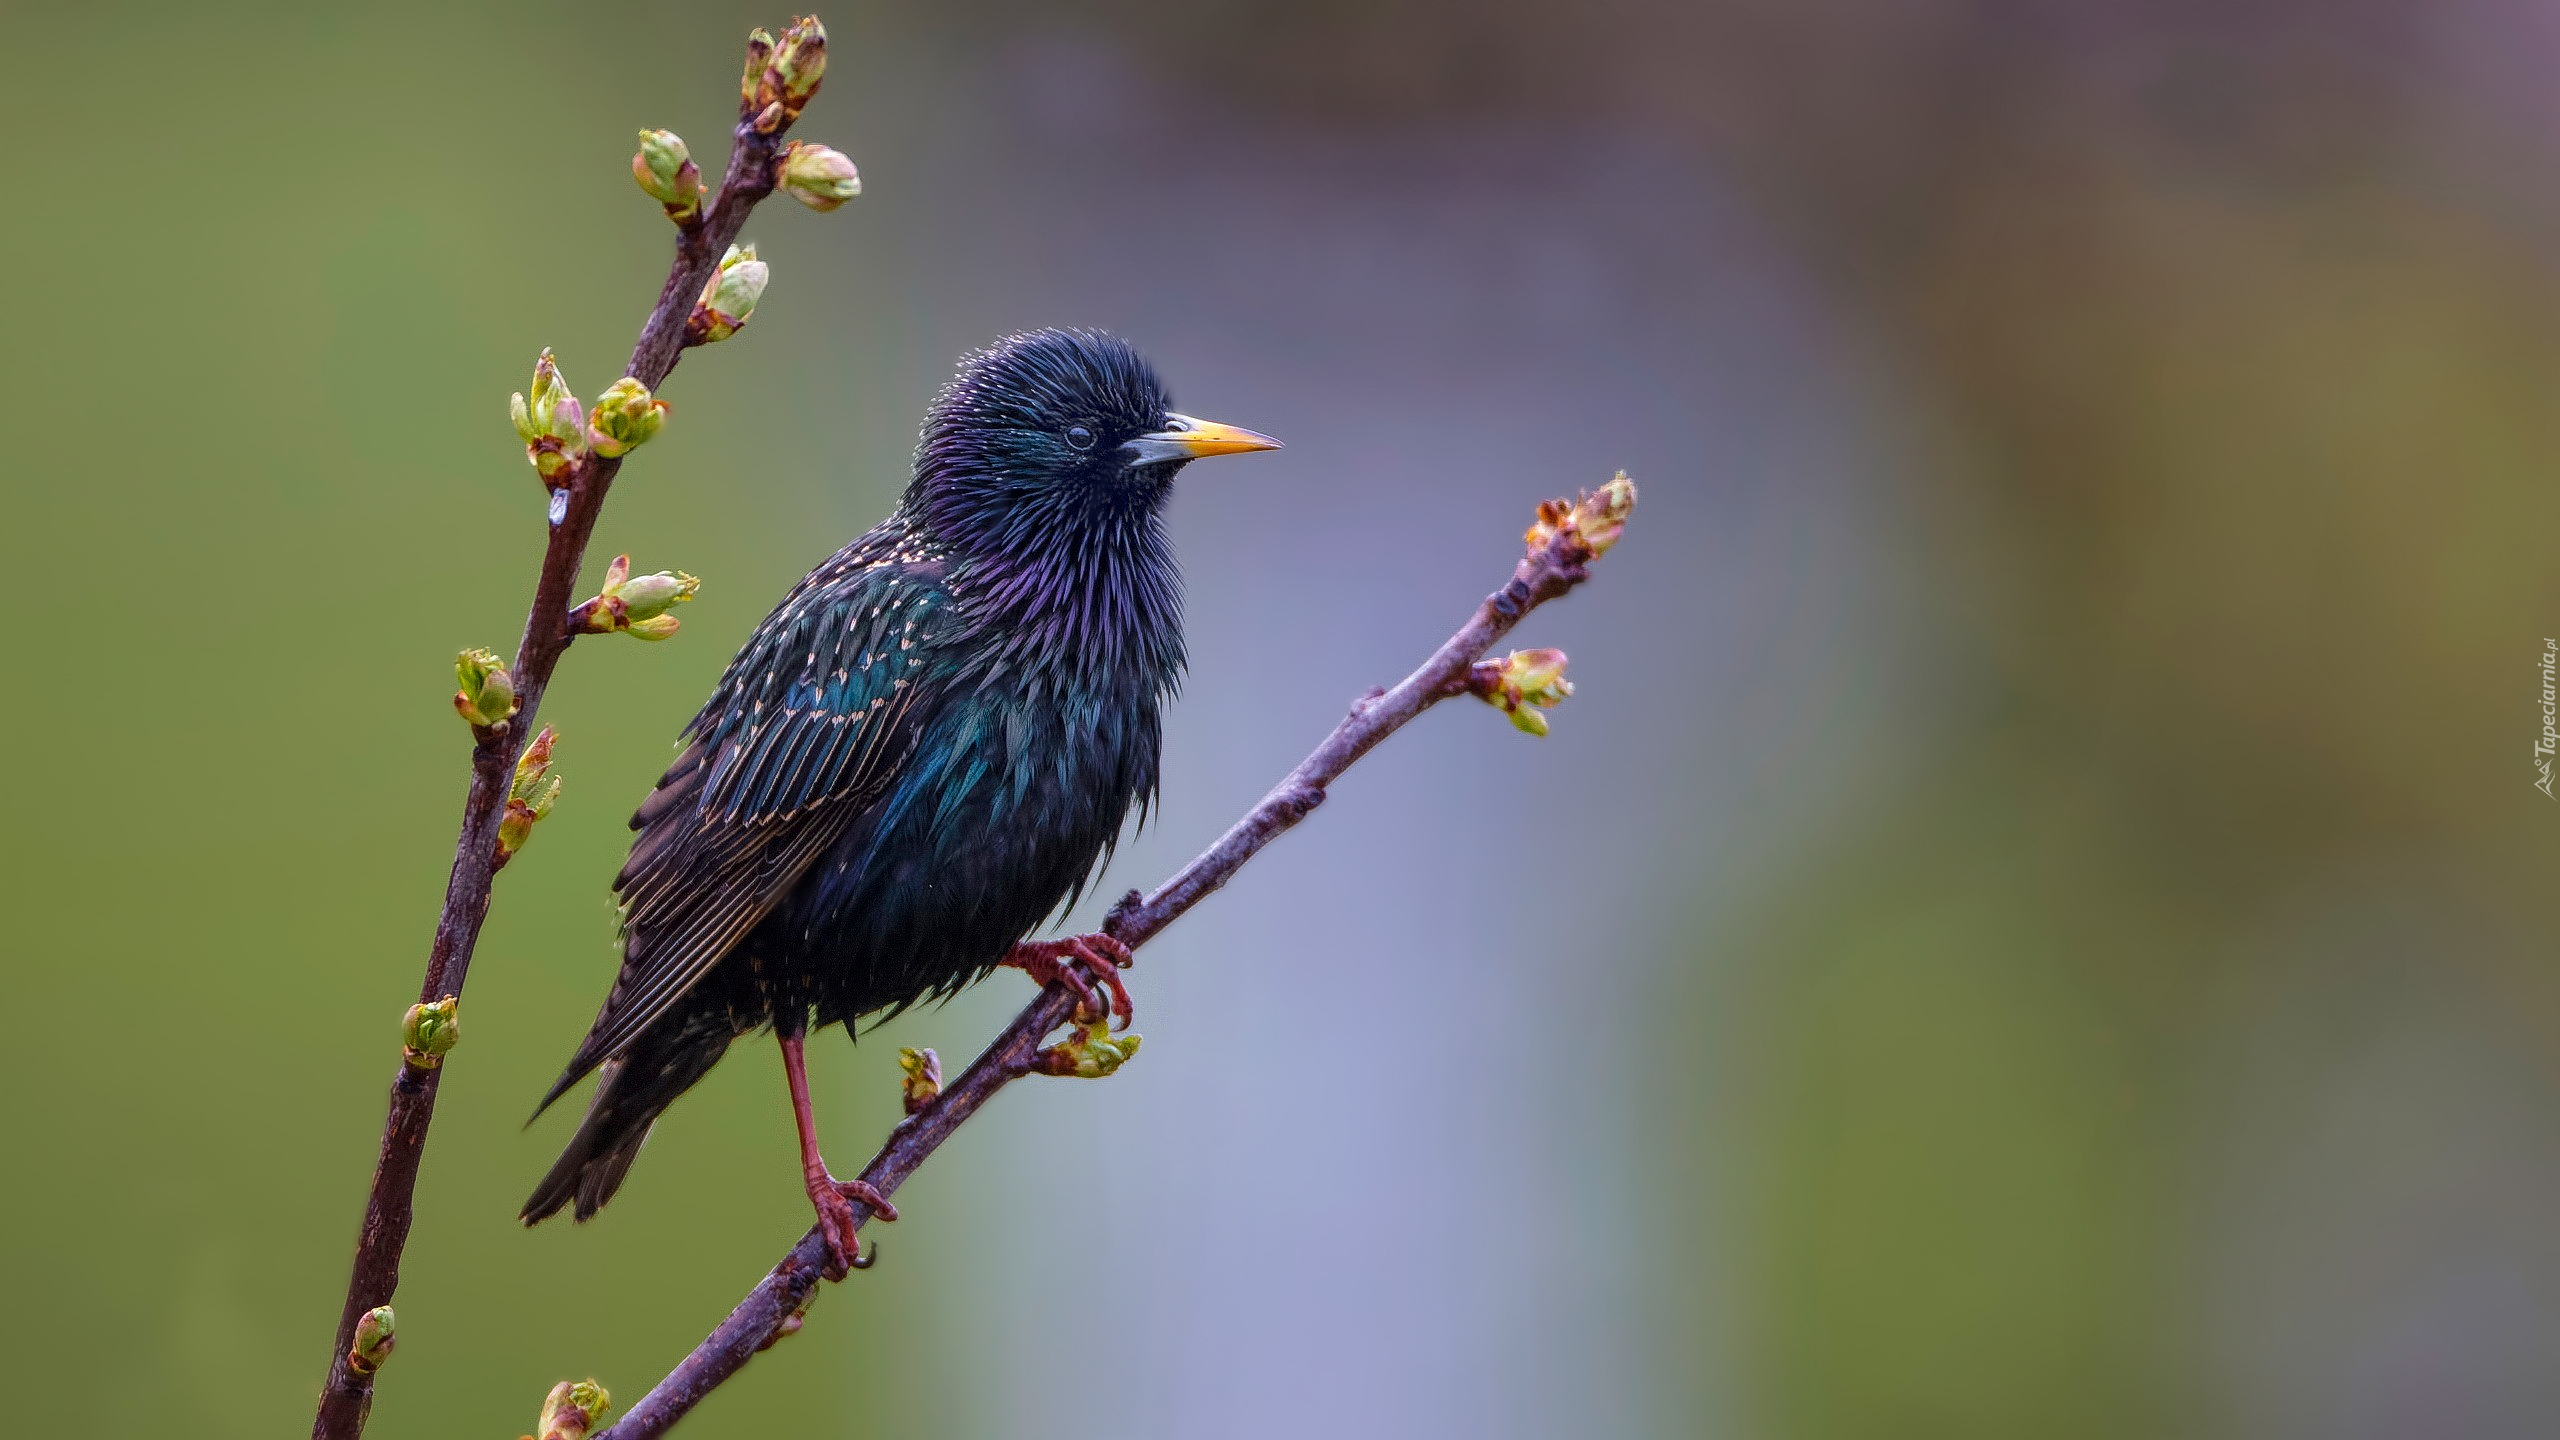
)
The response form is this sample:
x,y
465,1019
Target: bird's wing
x,y
809,726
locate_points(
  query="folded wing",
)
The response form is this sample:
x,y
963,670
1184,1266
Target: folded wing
x,y
808,728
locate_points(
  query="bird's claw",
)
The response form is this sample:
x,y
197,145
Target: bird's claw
x,y
835,1200
1071,961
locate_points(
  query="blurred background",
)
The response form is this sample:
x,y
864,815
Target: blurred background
x,y
2036,923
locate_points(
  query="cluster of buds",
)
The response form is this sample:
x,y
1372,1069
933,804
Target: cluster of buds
x,y
551,423
1521,685
634,604
728,297
1597,519
817,176
782,74
665,169
923,1077
1090,1053
488,694
428,1031
626,416
558,432
571,1410
374,1341
530,796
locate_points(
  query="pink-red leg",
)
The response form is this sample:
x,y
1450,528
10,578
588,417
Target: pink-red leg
x,y
1081,962
833,1197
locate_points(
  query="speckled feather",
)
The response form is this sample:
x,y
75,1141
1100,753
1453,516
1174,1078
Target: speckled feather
x,y
923,752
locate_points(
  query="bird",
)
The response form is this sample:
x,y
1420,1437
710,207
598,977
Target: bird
x,y
929,747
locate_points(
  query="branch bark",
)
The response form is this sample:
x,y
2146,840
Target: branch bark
x,y
347,1395
1560,550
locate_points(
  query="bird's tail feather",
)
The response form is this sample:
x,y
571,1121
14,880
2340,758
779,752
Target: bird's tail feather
x,y
634,1088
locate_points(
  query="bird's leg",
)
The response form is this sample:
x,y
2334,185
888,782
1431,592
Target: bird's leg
x,y
1071,961
833,1197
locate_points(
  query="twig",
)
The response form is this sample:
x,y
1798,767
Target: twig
x,y
1560,549
578,498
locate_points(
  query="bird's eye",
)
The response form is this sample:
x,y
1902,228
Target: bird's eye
x,y
1080,437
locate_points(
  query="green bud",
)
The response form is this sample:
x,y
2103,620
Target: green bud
x,y
1522,685
571,1410
1105,1053
666,171
530,796
550,422
792,69
1090,1053
534,786
428,1031
374,1341
1602,514
759,55
728,297
634,604
626,416
782,75
1596,520
818,177
646,597
801,60
923,1077
1538,675
488,693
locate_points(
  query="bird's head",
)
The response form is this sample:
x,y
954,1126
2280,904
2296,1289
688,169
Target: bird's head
x,y
1056,428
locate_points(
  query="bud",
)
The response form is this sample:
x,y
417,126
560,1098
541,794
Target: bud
x,y
374,1341
799,1315
1090,1053
650,596
552,426
571,1410
923,1077
529,797
488,693
665,169
428,1031
1602,514
759,55
626,416
801,60
729,297
792,68
816,176
1521,685
1597,519
637,605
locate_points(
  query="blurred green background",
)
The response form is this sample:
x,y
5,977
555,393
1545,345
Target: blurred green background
x,y
2037,923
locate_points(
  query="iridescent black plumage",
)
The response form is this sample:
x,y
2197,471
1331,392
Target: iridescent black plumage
x,y
922,753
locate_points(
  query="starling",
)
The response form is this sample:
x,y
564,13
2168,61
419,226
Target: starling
x,y
923,752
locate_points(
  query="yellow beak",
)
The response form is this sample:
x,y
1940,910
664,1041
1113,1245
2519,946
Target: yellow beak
x,y
1185,438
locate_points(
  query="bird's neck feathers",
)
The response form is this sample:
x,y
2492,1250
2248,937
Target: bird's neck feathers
x,y
1080,577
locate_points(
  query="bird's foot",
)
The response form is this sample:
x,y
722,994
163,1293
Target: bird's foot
x,y
1081,962
834,1200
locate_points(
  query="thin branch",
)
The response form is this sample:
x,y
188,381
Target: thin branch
x,y
347,1395
1560,550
